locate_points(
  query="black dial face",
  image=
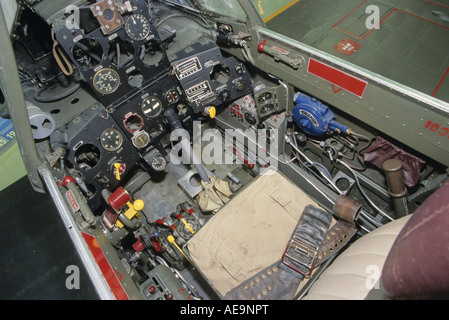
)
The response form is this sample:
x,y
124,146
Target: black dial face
x,y
158,163
106,81
137,27
172,96
264,97
151,107
111,139
141,139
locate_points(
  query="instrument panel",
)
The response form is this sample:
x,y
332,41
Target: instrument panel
x,y
118,52
95,146
208,78
122,56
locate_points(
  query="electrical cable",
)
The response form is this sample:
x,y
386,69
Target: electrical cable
x,y
359,156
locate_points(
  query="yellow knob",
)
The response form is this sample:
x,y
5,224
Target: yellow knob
x,y
117,170
212,112
138,205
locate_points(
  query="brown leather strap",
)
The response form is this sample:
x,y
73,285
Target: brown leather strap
x,y
336,238
277,281
61,59
347,211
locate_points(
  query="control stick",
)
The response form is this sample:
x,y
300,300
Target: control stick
x,y
182,136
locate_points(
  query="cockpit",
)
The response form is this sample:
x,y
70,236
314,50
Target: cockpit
x,y
236,149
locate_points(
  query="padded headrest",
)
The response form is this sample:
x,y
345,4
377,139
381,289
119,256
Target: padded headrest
x,y
417,266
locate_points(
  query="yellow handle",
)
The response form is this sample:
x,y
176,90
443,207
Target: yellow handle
x,y
171,239
188,226
134,208
117,170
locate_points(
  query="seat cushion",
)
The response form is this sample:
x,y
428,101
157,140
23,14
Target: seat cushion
x,y
355,272
249,233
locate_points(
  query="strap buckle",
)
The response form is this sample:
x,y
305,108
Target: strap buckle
x,y
300,252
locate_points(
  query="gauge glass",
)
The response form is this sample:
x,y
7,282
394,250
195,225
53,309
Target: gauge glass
x,y
264,97
106,81
172,96
141,139
137,27
111,139
158,163
151,107
133,122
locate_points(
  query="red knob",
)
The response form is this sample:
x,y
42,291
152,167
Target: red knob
x,y
262,45
67,180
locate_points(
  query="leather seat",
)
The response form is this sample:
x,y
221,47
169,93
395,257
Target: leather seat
x,y
357,270
409,257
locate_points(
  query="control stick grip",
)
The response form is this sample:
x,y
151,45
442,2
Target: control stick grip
x,y
172,119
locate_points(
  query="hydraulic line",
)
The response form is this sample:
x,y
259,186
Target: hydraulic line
x,y
363,213
290,141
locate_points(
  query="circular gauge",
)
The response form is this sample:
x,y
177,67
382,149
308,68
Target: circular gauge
x,y
264,97
137,27
106,81
158,163
133,122
141,139
267,108
111,139
151,107
172,96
